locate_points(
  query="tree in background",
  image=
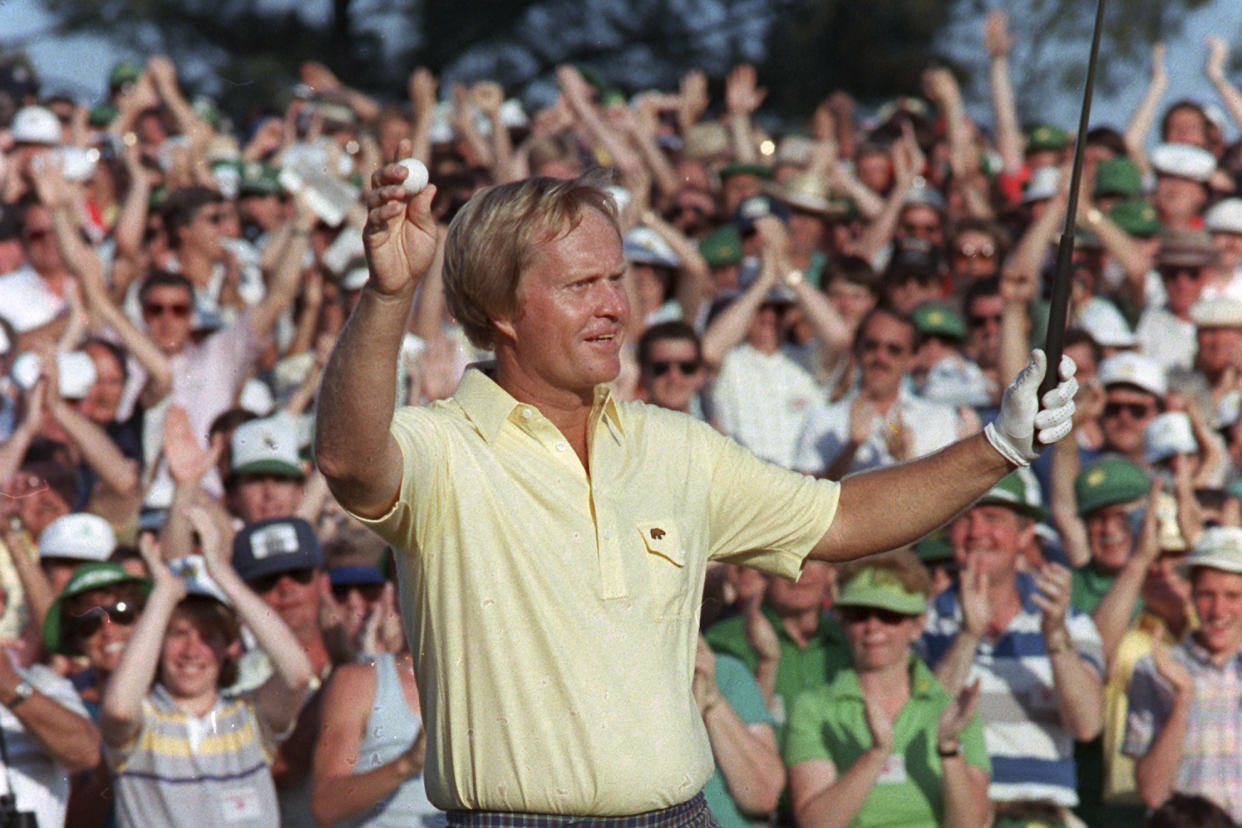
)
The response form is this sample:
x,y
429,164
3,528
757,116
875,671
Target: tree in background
x,y
246,52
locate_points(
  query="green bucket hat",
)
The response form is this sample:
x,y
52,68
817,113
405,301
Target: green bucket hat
x,y
722,247
87,577
1108,481
874,587
1018,490
935,319
1118,177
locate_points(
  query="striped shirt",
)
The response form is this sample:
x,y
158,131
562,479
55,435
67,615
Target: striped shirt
x,y
1210,765
1032,753
181,769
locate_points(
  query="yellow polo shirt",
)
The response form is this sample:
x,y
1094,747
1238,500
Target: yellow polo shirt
x,y
553,617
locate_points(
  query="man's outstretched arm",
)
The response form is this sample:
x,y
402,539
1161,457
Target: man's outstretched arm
x,y
353,446
892,506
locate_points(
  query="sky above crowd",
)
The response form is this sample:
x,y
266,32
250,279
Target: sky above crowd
x,y
79,65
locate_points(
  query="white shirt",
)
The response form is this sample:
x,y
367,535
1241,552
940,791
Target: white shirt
x,y
931,425
762,401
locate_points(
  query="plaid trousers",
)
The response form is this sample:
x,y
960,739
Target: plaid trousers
x,y
690,814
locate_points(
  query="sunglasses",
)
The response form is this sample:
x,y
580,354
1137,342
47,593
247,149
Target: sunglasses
x,y
368,592
180,311
686,367
1137,411
265,583
972,251
978,321
90,622
858,615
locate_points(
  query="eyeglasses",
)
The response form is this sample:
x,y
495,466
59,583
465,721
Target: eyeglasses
x,y
686,367
979,320
90,622
1136,410
266,583
368,592
975,251
859,615
179,310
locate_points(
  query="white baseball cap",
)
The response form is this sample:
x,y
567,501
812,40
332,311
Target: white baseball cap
x,y
35,125
1218,548
1129,368
1183,161
1168,434
79,536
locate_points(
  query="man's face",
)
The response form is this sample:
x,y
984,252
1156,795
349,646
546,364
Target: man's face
x,y
191,658
918,221
356,601
876,171
809,593
294,595
204,232
885,350
103,398
852,300
1182,286
265,210
1217,597
1219,348
691,211
168,311
668,382
993,535
1186,126
261,496
767,328
1229,249
739,187
975,254
572,311
983,323
806,230
1127,411
39,242
1108,535
1178,199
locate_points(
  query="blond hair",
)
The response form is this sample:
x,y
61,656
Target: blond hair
x,y
491,241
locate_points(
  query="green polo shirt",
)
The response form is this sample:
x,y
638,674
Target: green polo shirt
x,y
830,722
801,668
1089,585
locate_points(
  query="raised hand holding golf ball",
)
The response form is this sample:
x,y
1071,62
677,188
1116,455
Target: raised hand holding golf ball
x,y
416,177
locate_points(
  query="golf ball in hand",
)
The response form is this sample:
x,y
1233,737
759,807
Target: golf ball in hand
x,y
416,178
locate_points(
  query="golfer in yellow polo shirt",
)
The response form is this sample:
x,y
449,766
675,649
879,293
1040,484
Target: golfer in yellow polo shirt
x,y
551,539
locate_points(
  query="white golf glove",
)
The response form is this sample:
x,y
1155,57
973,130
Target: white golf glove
x,y
1013,432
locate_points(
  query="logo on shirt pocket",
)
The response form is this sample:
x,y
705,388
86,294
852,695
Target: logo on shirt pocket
x,y
671,597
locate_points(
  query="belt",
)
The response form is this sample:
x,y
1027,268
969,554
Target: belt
x,y
690,814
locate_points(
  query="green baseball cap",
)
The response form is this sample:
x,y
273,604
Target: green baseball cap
x,y
123,73
1018,490
1108,481
87,577
1117,177
258,178
1136,217
1046,137
722,247
875,587
743,168
935,319
934,549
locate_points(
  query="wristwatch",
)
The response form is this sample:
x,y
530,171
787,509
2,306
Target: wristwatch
x,y
793,277
21,692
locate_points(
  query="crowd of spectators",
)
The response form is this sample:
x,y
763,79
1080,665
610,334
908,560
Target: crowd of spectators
x,y
193,631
